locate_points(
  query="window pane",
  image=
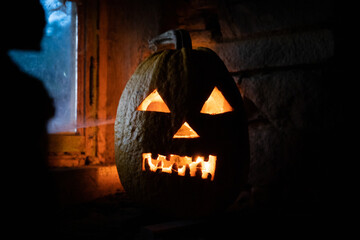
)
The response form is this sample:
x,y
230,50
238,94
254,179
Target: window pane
x,y
55,65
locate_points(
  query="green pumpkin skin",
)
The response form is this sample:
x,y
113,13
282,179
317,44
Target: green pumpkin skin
x,y
184,79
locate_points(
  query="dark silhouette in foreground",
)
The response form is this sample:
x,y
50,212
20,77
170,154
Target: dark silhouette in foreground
x,y
27,197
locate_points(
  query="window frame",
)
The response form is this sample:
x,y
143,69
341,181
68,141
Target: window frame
x,y
80,148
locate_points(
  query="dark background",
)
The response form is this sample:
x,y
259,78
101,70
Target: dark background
x,y
293,64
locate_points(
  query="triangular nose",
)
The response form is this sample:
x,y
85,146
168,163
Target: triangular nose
x,y
185,131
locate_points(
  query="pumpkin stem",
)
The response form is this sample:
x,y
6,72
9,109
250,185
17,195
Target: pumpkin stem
x,y
179,37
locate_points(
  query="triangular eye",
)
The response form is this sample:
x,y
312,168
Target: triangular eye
x,y
216,104
153,103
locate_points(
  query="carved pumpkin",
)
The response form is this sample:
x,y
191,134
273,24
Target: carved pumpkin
x,y
181,139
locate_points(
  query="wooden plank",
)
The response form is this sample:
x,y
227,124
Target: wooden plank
x,y
102,136
66,143
61,161
91,75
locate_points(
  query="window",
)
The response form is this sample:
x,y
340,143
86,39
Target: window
x,y
56,64
69,66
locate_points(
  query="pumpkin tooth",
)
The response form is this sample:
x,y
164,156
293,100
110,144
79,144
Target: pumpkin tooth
x,y
174,168
182,165
154,155
187,171
198,172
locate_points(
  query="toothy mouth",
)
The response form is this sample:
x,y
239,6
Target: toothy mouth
x,y
197,166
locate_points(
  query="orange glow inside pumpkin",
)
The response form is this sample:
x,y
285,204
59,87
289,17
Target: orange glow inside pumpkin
x,y
153,103
185,131
216,104
179,164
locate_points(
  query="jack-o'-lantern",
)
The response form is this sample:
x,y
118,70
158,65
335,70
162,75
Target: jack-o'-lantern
x,y
181,139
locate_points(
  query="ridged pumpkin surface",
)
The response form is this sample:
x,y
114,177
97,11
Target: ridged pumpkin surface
x,y
184,79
